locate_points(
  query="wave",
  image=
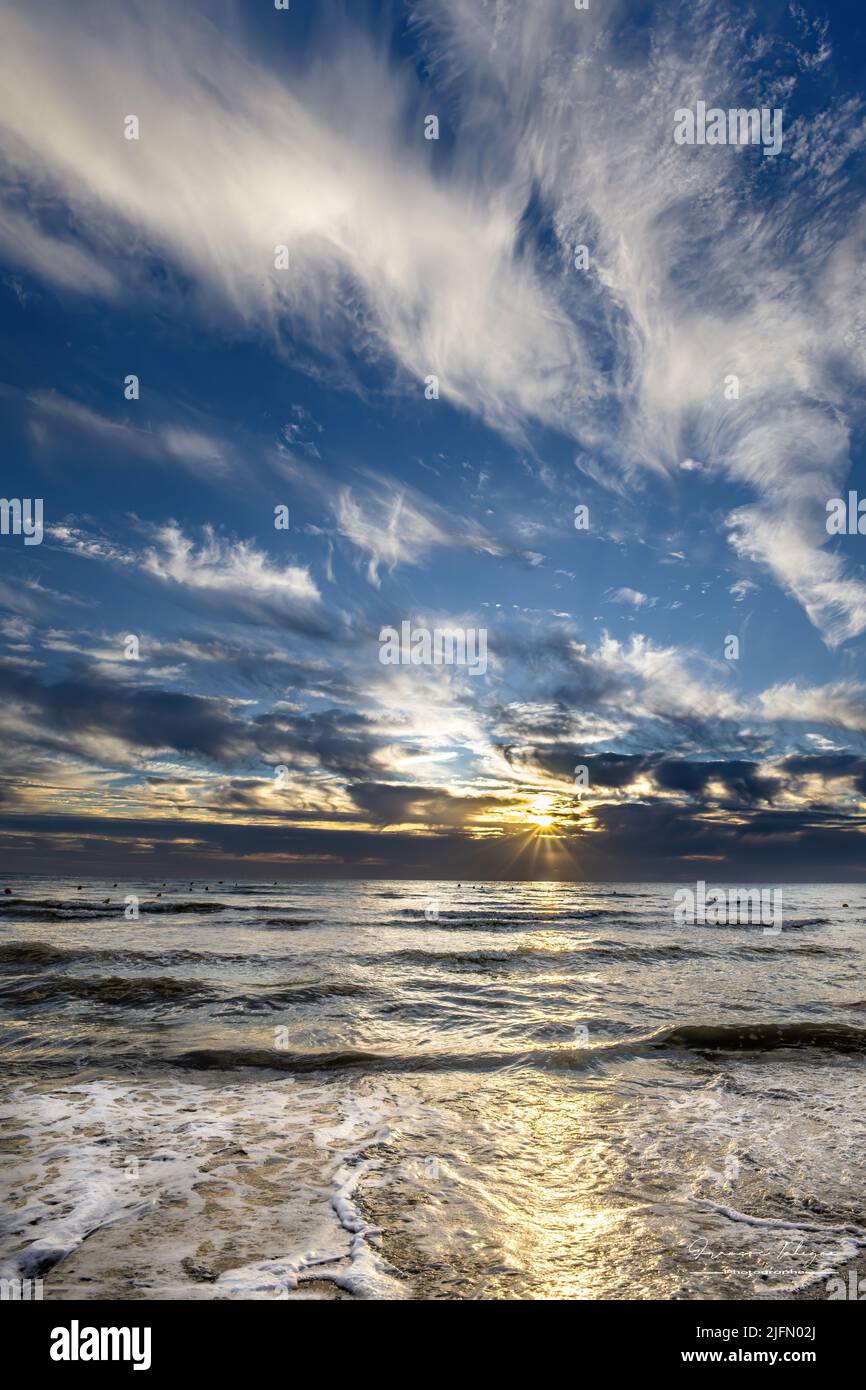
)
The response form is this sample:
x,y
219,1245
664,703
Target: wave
x,y
762,1037
231,1059
34,953
422,957
289,923
38,954
53,910
481,920
806,949
144,990
298,994
606,950
61,914
112,989
169,906
614,950
42,953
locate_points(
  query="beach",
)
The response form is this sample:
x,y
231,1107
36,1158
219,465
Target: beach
x,y
413,1090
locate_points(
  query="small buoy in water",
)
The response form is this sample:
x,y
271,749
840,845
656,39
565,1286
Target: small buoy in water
x,y
80,886
844,904
114,885
159,895
106,900
7,890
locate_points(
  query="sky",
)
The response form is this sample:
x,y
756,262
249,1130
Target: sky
x,y
395,338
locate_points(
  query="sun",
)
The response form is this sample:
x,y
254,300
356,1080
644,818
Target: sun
x,y
539,811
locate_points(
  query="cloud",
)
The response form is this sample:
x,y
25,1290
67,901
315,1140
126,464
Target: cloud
x,y
391,804
64,262
653,695
377,242
395,252
91,715
410,257
841,702
644,843
224,568
234,578
835,603
55,422
631,596
704,270
388,521
139,719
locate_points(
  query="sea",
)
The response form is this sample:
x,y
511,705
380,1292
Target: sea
x,y
428,1090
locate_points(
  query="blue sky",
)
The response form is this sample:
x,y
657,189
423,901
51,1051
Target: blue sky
x,y
558,387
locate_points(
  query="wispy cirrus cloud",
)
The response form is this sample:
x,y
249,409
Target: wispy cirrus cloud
x,y
377,241
703,266
233,577
65,262
54,420
393,525
842,703
387,521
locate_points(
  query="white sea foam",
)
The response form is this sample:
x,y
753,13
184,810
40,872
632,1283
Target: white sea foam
x,y
106,1154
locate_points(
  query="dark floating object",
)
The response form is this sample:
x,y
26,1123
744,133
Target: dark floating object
x,y
106,900
844,904
7,890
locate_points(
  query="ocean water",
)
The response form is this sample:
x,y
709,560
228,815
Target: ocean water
x,y
428,1090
